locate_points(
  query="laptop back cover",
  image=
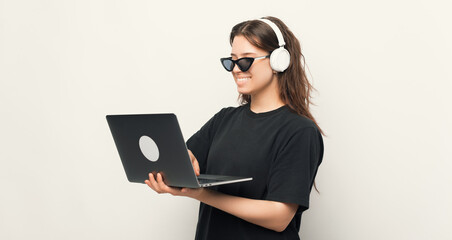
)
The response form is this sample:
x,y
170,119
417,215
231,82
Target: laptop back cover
x,y
169,155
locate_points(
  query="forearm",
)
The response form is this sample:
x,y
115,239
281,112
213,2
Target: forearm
x,y
269,214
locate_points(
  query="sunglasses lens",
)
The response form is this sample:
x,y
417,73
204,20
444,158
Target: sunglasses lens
x,y
245,63
227,63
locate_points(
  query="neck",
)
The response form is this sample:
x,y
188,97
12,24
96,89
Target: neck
x,y
268,99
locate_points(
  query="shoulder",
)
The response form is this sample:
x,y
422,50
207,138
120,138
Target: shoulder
x,y
297,123
299,130
228,111
301,133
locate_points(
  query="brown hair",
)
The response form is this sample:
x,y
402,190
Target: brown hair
x,y
294,86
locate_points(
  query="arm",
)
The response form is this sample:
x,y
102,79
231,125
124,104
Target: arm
x,y
269,214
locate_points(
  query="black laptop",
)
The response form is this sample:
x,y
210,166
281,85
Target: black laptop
x,y
154,143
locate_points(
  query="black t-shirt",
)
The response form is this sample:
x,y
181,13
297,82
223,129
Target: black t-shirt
x,y
279,149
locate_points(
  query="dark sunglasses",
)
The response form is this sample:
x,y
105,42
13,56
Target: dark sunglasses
x,y
243,63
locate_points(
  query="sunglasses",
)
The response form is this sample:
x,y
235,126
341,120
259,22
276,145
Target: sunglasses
x,y
243,63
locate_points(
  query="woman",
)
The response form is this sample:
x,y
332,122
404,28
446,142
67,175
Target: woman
x,y
271,137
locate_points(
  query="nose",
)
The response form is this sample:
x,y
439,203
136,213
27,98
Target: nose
x,y
236,69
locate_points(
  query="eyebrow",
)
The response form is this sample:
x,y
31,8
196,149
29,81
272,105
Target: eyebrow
x,y
244,54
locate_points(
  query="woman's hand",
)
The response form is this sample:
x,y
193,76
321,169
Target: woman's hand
x,y
194,162
160,187
157,184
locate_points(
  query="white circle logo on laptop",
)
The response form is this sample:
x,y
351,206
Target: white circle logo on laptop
x,y
149,148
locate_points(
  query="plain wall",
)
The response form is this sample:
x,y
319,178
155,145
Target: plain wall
x,y
383,80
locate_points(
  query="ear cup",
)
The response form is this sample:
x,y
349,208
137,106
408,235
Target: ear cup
x,y
280,59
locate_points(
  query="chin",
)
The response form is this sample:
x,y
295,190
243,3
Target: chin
x,y
244,92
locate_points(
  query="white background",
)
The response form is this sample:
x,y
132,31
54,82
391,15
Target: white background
x,y
381,68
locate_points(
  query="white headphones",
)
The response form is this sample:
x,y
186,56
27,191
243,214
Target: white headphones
x,y
280,57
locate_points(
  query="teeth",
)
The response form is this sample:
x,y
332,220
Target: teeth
x,y
243,79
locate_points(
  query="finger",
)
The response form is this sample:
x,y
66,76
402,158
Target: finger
x,y
196,167
147,182
154,184
194,162
160,183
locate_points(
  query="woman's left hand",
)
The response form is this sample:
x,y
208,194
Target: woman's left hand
x,y
160,187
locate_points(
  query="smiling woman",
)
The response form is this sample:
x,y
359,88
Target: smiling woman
x,y
272,137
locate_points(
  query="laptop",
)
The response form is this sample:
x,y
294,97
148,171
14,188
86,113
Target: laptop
x,y
154,143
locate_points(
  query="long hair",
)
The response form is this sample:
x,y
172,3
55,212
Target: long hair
x,y
294,86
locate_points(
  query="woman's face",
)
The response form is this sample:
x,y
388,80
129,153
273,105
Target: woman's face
x,y
259,77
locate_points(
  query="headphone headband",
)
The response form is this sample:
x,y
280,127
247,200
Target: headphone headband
x,y
275,28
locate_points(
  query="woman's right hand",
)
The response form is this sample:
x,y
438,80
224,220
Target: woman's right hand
x,y
156,183
194,162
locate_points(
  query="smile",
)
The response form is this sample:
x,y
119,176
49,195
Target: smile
x,y
243,79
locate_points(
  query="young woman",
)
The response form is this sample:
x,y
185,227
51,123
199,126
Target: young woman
x,y
271,137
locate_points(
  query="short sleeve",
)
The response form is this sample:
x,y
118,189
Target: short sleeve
x,y
200,142
294,169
